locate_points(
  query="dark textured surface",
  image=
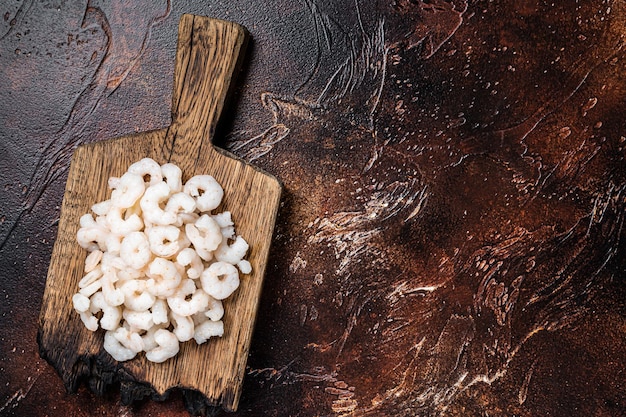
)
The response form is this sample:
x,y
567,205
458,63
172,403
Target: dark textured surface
x,y
451,237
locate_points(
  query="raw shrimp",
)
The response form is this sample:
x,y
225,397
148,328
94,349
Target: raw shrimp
x,y
215,309
208,329
220,280
111,316
136,297
150,204
189,257
120,224
172,175
147,167
231,253
164,278
163,240
129,189
198,302
206,190
116,349
183,327
135,250
167,346
92,238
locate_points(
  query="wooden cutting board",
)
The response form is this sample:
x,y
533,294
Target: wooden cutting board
x,y
211,374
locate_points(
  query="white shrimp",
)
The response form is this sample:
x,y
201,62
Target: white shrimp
x,y
87,220
80,302
92,260
136,297
129,339
189,257
211,232
178,204
147,167
163,240
224,219
167,346
215,309
206,190
205,233
206,255
111,316
92,238
244,266
111,263
138,319
187,287
172,175
226,224
183,327
220,280
113,296
90,289
128,274
122,224
89,320
231,253
135,250
113,244
208,329
150,204
113,346
188,217
164,277
130,188
102,208
198,302
159,312
183,241
90,278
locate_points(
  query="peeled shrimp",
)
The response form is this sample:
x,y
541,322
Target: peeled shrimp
x,y
150,204
183,327
208,329
198,302
172,175
189,258
147,167
129,189
113,346
111,316
163,240
232,253
167,346
135,250
204,234
129,339
164,278
220,280
206,190
215,309
136,296
120,225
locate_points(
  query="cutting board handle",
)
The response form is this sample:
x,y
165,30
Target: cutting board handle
x,y
206,58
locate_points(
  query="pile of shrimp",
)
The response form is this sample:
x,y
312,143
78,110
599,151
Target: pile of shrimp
x,y
159,263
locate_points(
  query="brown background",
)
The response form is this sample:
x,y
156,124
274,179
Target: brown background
x,y
451,235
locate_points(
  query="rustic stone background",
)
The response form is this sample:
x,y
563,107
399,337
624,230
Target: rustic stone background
x,y
450,240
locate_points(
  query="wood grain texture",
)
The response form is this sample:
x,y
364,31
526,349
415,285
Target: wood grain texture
x,y
207,55
495,140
